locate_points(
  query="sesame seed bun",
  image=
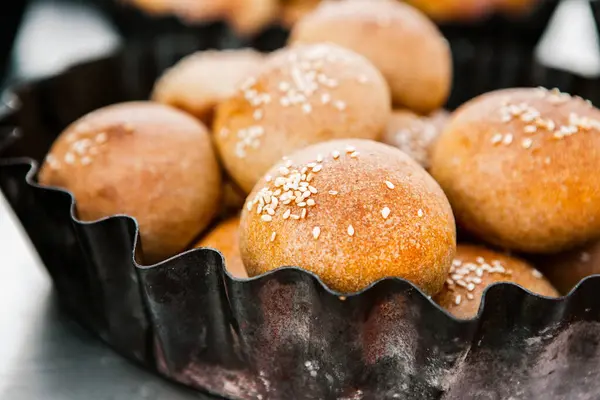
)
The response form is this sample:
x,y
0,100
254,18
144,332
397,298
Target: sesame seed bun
x,y
518,167
145,160
475,268
300,96
200,81
398,39
565,270
225,238
415,134
362,211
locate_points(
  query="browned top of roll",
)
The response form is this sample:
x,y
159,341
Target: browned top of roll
x,y
225,238
518,167
415,134
474,268
397,38
145,160
353,212
301,95
198,82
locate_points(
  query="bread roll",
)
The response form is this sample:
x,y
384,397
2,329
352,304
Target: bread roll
x,y
475,268
301,95
352,212
517,166
398,39
415,134
145,160
567,269
200,81
225,238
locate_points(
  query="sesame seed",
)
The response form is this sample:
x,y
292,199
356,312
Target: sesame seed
x,y
310,202
536,273
307,108
508,138
333,192
497,138
335,154
420,213
585,257
313,190
286,214
86,160
350,149
319,158
530,129
354,154
470,296
270,211
101,137
317,168
350,230
389,184
303,213
266,218
316,232
325,98
526,143
284,171
340,105
249,206
385,212
257,114
458,299
294,216
273,235
302,204
69,158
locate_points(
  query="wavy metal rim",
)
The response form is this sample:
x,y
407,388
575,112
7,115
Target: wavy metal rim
x,y
29,179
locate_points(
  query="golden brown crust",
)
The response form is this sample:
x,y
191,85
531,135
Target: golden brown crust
x,y
475,268
398,39
415,134
200,81
517,166
225,238
565,270
193,11
302,95
376,214
142,159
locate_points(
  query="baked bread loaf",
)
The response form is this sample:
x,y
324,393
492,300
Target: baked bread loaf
x,y
517,166
145,160
200,81
352,212
567,269
399,40
301,95
475,268
415,134
225,238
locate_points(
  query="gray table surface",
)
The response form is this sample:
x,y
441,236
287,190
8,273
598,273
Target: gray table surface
x,y
43,354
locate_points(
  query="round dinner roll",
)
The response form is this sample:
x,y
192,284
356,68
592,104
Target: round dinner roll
x,y
145,160
399,40
300,96
225,238
475,268
352,212
415,134
518,168
200,81
567,269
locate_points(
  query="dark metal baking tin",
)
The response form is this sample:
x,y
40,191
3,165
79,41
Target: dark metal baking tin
x,y
283,334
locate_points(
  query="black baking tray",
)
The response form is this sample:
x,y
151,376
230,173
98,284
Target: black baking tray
x,y
284,334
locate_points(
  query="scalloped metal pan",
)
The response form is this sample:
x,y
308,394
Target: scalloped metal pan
x,y
284,335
